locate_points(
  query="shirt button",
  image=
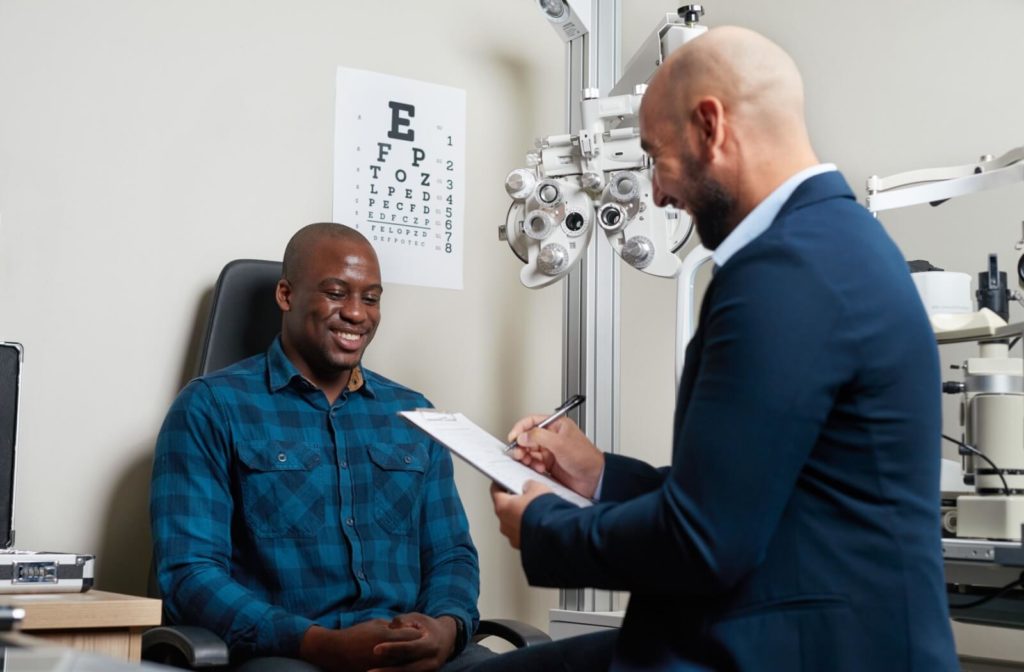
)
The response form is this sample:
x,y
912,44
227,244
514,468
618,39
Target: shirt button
x,y
281,457
360,574
408,459
349,522
344,464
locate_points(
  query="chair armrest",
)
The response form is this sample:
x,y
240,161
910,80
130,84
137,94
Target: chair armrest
x,y
187,645
519,634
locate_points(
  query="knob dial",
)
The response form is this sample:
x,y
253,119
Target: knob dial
x,y
553,259
520,183
623,187
638,252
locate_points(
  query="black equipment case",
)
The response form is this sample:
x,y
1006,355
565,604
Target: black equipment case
x,y
27,571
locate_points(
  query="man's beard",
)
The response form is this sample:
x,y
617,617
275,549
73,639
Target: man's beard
x,y
711,207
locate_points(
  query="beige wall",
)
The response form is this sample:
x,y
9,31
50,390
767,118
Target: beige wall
x,y
145,143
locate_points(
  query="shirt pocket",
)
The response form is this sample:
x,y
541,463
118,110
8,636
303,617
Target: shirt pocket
x,y
398,475
282,488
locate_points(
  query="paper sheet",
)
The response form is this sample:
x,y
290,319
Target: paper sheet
x,y
484,452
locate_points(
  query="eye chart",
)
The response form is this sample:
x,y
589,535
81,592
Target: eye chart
x,y
399,173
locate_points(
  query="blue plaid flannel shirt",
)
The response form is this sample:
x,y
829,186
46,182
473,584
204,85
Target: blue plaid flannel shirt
x,y
272,510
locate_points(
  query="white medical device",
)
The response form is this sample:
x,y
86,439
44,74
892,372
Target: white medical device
x,y
598,178
992,407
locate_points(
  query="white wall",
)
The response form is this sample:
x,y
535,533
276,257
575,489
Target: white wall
x,y
145,143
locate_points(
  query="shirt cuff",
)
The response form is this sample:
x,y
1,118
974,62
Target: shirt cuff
x,y
286,633
600,484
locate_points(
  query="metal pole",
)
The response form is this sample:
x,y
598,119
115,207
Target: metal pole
x,y
590,334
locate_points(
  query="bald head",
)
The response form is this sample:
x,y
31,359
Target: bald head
x,y
756,81
723,122
305,239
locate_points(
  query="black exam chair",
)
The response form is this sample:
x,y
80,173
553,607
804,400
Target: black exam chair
x,y
244,319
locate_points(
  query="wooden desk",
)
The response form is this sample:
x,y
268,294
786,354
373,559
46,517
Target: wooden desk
x,y
96,621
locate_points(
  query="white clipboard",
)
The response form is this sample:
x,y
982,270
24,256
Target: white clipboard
x,y
484,452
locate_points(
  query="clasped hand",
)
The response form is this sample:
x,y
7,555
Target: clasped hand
x,y
407,643
561,451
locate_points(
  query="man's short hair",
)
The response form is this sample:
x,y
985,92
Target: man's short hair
x,y
298,246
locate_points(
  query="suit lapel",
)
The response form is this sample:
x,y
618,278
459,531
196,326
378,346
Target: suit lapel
x,y
813,190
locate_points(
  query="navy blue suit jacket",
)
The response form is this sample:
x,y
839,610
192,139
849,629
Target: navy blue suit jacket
x,y
798,526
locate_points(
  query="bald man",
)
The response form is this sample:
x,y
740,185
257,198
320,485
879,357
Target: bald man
x,y
797,526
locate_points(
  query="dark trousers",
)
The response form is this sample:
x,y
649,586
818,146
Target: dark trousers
x,y
470,656
585,653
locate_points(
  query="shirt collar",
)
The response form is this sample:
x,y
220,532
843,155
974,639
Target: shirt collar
x,y
356,381
762,216
281,372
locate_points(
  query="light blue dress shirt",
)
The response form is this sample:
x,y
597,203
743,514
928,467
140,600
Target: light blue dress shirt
x,y
762,216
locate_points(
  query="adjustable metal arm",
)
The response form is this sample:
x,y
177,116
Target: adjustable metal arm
x,y
667,36
937,185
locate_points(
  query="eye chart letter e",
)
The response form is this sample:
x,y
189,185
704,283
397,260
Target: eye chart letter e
x,y
399,173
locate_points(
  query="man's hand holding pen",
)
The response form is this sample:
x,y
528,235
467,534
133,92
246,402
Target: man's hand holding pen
x,y
561,451
558,449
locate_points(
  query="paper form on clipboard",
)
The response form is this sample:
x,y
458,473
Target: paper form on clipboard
x,y
484,452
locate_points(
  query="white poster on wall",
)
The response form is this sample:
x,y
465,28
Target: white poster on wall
x,y
399,173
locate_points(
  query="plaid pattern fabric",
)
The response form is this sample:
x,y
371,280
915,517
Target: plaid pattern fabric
x,y
273,510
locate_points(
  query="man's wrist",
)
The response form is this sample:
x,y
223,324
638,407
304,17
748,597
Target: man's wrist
x,y
312,644
458,629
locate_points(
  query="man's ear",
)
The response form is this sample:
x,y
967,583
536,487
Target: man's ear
x,y
283,295
709,120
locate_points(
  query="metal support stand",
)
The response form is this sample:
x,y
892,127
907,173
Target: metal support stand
x,y
590,334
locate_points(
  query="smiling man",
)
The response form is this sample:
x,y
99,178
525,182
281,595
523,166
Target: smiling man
x,y
294,513
329,295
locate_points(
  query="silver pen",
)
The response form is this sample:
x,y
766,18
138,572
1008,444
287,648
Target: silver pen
x,y
569,404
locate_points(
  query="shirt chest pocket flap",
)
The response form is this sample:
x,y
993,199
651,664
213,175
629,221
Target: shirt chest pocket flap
x,y
282,488
398,474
